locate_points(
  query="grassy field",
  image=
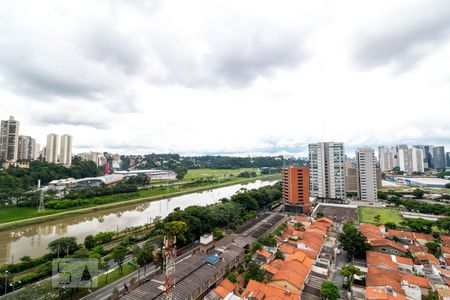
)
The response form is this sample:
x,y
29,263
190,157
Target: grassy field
x,y
367,215
199,173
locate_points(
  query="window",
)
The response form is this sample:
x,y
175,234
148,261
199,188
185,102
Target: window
x,y
383,250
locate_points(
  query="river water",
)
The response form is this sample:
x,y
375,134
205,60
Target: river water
x,y
32,240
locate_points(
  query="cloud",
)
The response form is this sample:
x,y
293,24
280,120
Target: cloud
x,y
404,37
71,118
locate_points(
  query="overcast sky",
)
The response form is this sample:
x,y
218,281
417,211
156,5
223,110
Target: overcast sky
x,y
228,77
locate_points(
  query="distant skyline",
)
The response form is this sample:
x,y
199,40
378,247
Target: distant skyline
x,y
227,77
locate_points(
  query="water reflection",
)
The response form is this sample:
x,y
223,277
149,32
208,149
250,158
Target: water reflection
x,y
33,240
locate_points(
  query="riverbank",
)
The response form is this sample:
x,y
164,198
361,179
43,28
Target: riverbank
x,y
56,214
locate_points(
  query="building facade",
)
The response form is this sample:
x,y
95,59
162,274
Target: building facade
x,y
9,140
447,157
428,156
439,157
52,148
27,148
295,184
65,153
366,170
350,176
327,177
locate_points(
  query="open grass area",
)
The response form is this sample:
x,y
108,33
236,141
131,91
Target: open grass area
x,y
9,214
202,173
367,215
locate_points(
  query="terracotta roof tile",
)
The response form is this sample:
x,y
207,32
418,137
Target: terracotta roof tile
x,y
386,242
261,291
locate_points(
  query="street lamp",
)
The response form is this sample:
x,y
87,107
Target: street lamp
x,y
6,282
13,284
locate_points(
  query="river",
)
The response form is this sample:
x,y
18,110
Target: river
x,y
32,240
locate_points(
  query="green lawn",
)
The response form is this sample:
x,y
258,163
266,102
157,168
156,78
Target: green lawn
x,y
9,214
367,215
199,173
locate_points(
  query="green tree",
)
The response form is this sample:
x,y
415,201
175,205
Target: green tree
x,y
390,225
233,277
377,219
118,255
444,224
254,272
176,228
299,226
268,240
89,242
329,291
353,241
420,225
63,246
447,185
418,193
256,246
434,248
217,232
350,271
81,253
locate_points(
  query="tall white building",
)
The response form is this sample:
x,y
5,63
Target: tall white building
x,y
9,140
386,157
404,159
26,147
327,176
366,172
51,150
417,157
65,153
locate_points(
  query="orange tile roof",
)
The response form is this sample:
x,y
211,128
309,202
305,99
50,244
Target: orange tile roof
x,y
274,266
423,236
285,249
417,248
312,244
445,250
224,288
325,219
416,280
261,291
370,231
378,277
404,260
445,239
377,259
386,242
428,257
310,254
264,253
381,293
300,257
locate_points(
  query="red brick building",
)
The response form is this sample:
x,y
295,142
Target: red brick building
x,y
296,188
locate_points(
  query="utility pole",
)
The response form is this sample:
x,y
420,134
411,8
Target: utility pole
x,y
41,207
169,266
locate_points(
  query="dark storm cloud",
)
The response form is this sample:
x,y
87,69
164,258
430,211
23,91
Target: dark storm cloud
x,y
406,38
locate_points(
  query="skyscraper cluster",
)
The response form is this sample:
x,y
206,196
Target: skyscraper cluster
x,y
16,149
417,158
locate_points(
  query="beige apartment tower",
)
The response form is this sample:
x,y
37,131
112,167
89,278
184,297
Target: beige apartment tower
x,y
9,140
65,153
51,150
366,172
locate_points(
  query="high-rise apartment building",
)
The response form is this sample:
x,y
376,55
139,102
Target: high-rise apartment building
x,y
350,176
295,184
428,156
404,158
9,140
417,159
327,177
27,146
51,150
447,157
65,153
387,157
366,171
439,157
